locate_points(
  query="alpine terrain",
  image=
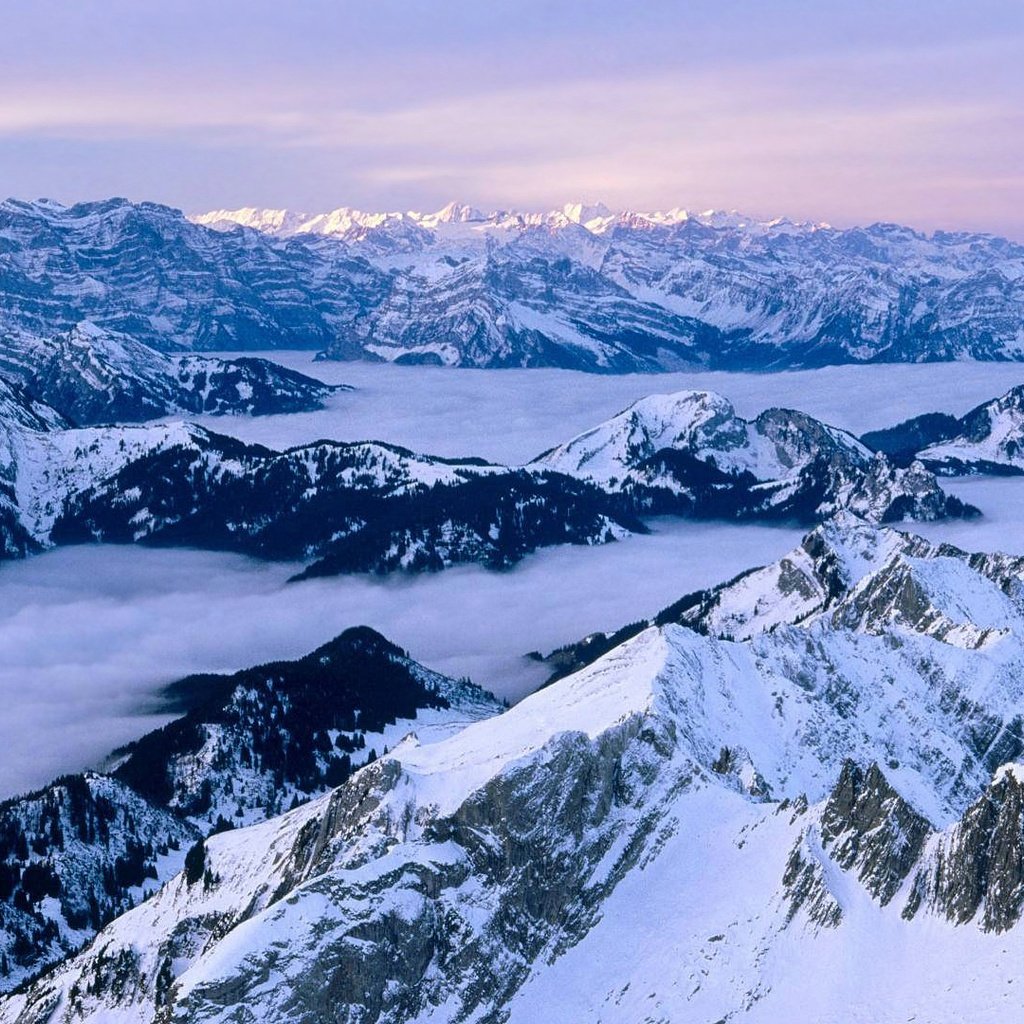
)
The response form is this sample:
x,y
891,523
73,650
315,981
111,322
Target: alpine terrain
x,y
579,287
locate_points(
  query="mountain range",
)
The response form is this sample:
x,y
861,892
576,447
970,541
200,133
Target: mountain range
x,y
580,287
806,769
987,440
373,507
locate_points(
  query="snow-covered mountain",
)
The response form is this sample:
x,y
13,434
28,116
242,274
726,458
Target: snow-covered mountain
x,y
73,856
689,828
845,574
251,743
690,452
144,270
94,376
581,287
86,848
988,439
374,507
344,507
603,290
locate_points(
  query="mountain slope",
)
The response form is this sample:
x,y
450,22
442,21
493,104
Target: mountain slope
x,y
651,802
373,507
145,271
252,742
847,574
580,287
86,848
72,857
689,452
352,507
768,294
92,376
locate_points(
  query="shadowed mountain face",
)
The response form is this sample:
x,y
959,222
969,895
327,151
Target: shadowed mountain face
x,y
613,293
373,507
988,439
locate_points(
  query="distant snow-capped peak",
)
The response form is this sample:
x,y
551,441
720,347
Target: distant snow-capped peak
x,y
595,217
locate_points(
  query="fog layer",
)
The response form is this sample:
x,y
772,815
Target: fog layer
x,y
91,634
511,416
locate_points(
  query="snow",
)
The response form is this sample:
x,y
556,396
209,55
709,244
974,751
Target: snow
x,y
705,942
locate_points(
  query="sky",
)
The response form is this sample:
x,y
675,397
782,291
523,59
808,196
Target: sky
x,y
844,111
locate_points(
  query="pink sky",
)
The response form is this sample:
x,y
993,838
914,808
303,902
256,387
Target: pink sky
x,y
846,112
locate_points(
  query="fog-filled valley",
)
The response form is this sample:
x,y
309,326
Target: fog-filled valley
x,y
510,416
91,634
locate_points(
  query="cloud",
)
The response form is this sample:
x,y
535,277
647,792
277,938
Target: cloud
x,y
91,634
895,132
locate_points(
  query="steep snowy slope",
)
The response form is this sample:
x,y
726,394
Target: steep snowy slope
x,y
21,416
690,452
612,847
988,439
847,574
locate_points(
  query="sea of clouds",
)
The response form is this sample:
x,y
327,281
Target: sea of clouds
x,y
90,635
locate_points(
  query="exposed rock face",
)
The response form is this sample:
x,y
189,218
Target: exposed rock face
x,y
976,869
867,827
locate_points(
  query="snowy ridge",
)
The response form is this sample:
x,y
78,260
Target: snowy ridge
x,y
372,507
988,439
95,376
778,293
691,450
86,848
